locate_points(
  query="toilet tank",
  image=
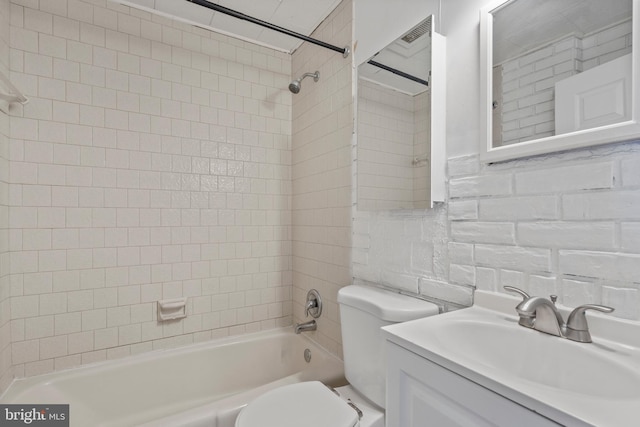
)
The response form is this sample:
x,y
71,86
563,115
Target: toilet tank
x,y
363,311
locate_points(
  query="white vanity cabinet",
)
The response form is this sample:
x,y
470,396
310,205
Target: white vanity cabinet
x,y
421,393
477,367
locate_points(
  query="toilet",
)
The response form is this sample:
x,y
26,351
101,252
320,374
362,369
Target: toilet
x,y
363,311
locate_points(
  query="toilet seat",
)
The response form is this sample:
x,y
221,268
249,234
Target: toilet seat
x,y
308,404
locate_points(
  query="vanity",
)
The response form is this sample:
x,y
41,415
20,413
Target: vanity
x,y
479,367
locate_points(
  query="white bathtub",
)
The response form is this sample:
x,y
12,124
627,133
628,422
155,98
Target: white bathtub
x,y
200,385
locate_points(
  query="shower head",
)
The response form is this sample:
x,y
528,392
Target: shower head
x,y
294,86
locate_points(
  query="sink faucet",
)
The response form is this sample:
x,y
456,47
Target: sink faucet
x,y
542,315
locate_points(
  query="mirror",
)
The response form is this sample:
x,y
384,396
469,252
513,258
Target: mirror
x,y
557,75
398,164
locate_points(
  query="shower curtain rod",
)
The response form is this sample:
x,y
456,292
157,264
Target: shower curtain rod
x,y
399,73
343,50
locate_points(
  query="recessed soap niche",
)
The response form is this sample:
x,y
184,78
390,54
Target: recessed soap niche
x,y
172,309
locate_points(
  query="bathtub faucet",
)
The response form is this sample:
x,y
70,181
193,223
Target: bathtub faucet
x,y
306,326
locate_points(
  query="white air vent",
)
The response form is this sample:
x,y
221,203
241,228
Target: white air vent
x,y
417,32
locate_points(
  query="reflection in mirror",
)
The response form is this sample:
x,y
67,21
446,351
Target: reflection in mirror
x,y
394,147
560,66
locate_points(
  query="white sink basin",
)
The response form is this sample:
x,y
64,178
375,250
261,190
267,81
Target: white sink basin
x,y
540,358
573,383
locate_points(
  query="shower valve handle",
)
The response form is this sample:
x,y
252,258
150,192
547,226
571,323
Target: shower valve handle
x,y
313,306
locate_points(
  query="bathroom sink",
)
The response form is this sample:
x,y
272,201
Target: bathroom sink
x,y
577,384
541,359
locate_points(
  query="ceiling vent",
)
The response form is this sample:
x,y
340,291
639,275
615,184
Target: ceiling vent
x,y
417,32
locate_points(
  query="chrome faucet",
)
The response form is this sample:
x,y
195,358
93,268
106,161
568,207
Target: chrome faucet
x,y
313,308
542,315
306,326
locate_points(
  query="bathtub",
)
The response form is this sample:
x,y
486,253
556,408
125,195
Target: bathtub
x,y
200,385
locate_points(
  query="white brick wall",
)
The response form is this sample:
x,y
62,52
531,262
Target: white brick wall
x,y
574,220
153,161
565,224
604,46
408,250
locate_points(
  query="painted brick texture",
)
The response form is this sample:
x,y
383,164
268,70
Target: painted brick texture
x,y
565,224
569,227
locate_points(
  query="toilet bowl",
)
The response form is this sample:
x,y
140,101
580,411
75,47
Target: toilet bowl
x,y
363,310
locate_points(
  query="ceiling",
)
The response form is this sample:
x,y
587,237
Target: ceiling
x,y
521,25
301,16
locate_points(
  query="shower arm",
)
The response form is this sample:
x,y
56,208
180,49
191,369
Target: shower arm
x,y
225,10
315,76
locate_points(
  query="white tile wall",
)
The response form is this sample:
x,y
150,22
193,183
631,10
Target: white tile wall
x,y
5,286
321,175
153,161
385,147
392,134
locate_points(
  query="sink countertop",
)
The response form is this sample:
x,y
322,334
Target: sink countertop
x,y
574,384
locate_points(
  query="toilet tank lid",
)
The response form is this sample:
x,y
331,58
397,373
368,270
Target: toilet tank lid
x,y
384,304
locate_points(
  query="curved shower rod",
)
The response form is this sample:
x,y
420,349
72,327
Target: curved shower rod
x,y
239,15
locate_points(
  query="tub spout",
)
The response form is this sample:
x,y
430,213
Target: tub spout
x,y
306,326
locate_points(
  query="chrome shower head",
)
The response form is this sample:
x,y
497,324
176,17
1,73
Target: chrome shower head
x,y
295,85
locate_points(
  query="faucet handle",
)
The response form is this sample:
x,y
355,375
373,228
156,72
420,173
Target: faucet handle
x,y
577,319
577,326
519,291
313,305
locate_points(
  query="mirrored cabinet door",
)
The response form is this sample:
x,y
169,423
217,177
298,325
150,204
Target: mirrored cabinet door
x,y
400,123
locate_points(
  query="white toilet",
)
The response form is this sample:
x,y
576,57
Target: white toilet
x,y
363,311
